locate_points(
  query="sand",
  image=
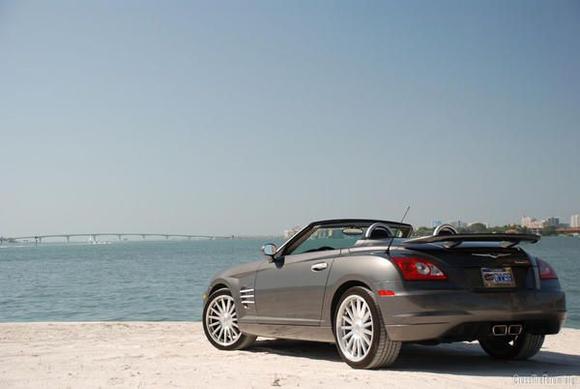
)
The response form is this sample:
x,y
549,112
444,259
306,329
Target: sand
x,y
166,355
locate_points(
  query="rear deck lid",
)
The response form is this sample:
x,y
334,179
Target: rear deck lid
x,y
483,265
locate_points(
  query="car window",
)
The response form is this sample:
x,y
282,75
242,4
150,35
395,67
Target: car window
x,y
329,238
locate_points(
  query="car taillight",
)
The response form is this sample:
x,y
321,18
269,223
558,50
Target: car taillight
x,y
546,271
417,269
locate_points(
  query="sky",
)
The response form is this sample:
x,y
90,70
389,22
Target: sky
x,y
242,117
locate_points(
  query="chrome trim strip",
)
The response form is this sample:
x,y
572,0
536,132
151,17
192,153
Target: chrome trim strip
x,y
446,228
374,226
494,256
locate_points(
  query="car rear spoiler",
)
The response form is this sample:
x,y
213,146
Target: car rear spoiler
x,y
450,241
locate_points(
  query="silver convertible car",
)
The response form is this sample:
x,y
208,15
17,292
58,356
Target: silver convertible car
x,y
368,287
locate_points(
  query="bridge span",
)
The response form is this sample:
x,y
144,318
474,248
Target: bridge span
x,y
568,230
119,235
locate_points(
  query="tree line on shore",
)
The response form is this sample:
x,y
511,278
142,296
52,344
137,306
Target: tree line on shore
x,y
480,228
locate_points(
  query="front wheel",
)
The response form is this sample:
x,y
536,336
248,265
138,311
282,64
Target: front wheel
x,y
220,323
520,347
359,331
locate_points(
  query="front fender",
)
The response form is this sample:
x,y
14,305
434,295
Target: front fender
x,y
235,279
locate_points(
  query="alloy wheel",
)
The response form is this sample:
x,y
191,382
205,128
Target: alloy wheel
x,y
222,321
354,328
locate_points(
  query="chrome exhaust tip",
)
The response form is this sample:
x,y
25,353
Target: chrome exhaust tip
x,y
499,330
515,329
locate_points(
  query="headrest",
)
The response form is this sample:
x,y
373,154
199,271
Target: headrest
x,y
379,233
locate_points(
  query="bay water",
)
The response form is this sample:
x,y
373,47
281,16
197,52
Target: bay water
x,y
164,280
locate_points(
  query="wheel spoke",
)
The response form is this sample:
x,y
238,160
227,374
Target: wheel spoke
x,y
366,317
364,346
349,312
349,342
366,339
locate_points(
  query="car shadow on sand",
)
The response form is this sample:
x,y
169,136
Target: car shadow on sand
x,y
456,358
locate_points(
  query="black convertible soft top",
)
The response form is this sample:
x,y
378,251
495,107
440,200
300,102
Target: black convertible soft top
x,y
508,240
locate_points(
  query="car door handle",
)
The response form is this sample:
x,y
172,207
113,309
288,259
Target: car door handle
x,y
319,266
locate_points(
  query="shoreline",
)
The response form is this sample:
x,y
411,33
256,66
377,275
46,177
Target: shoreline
x,y
176,354
193,322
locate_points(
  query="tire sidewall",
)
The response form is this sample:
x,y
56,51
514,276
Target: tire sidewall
x,y
213,296
498,349
377,322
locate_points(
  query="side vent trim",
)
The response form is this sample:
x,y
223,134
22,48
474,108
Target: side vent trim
x,y
247,297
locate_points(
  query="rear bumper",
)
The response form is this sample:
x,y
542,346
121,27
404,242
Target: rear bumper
x,y
449,315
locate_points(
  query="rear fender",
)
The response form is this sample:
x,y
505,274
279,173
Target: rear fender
x,y
369,270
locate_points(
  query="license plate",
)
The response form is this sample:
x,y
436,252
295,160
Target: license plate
x,y
498,278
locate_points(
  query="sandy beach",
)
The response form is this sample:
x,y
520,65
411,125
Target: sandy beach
x,y
170,354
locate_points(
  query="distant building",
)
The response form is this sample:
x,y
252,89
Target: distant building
x,y
436,223
527,221
458,224
322,233
532,223
537,226
289,233
575,221
552,222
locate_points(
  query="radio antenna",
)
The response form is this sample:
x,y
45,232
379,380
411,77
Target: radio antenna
x,y
405,214
403,218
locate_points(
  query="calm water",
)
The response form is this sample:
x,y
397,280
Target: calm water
x,y
162,280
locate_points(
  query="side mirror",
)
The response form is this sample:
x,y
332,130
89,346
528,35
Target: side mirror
x,y
269,249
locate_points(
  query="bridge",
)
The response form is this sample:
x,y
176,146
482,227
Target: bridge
x,y
568,230
119,235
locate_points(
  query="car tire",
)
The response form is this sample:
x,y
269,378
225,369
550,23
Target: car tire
x,y
220,322
360,345
520,347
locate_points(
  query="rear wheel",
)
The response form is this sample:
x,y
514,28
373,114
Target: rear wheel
x,y
220,322
520,347
359,331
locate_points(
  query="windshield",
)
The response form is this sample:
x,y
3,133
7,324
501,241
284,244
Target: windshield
x,y
341,236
